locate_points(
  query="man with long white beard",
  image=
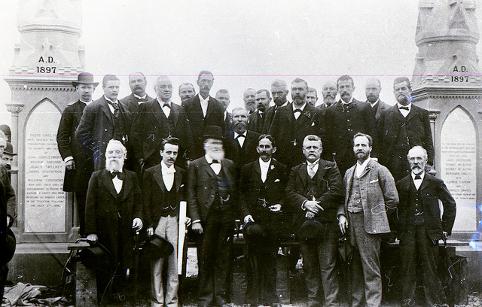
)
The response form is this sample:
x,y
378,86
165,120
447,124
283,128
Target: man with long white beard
x,y
211,200
112,214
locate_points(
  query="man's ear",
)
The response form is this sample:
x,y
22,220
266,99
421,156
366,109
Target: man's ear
x,y
274,149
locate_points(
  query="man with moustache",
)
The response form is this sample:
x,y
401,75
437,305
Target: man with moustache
x,y
279,91
315,193
158,119
256,119
223,97
103,120
138,95
203,110
262,201
78,165
420,229
163,188
342,120
311,96
292,123
328,92
401,127
113,212
372,91
186,92
249,97
370,197
211,206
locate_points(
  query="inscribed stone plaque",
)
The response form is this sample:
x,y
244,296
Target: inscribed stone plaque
x,y
44,172
459,166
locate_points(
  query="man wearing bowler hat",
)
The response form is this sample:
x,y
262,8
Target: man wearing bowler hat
x,y
78,165
315,193
163,187
211,201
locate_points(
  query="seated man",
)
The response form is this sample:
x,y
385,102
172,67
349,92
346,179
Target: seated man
x,y
113,211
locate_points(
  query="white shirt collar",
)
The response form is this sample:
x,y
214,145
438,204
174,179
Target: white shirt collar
x,y
243,134
264,165
422,175
139,97
202,100
209,159
105,97
299,108
167,170
314,163
374,104
408,105
161,103
360,168
86,102
343,101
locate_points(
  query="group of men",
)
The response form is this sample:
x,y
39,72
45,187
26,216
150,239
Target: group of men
x,y
315,171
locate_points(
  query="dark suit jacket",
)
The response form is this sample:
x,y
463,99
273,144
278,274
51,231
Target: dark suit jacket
x,y
269,116
132,103
110,215
288,138
152,126
202,186
154,192
214,116
96,128
250,193
431,191
256,122
380,108
68,145
418,132
241,156
8,203
329,191
228,121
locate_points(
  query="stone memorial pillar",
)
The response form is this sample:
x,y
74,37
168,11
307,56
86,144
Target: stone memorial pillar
x,y
46,61
448,83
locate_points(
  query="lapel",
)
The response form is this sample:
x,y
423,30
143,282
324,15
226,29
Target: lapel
x,y
210,108
303,173
425,182
248,141
412,114
321,170
158,177
226,171
126,186
207,167
257,171
196,108
380,108
156,111
177,178
367,168
174,115
397,117
306,115
107,181
349,180
105,108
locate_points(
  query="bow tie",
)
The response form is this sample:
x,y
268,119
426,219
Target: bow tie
x,y
403,108
417,177
240,136
214,161
166,105
115,105
297,111
117,174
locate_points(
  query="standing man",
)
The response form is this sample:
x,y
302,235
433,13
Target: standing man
x,y
257,118
138,95
345,118
203,110
223,97
249,97
103,120
158,119
370,197
211,200
329,91
163,187
113,211
262,202
402,127
315,193
292,123
420,228
186,92
78,165
279,91
311,96
372,91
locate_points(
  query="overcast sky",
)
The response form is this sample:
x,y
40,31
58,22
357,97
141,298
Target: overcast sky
x,y
245,43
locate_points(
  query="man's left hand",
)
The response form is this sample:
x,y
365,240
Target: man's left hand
x,y
137,224
275,208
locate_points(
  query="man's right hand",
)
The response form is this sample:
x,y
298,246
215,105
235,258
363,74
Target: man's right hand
x,y
313,206
92,237
150,231
342,223
197,228
248,218
70,165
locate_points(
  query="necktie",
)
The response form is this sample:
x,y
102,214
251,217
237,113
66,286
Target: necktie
x,y
417,177
311,170
115,105
240,136
296,113
403,108
166,105
117,174
214,162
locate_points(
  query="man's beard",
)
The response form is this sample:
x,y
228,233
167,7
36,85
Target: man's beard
x,y
372,98
114,164
216,155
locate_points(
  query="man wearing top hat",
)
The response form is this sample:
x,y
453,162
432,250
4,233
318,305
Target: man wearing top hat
x,y
211,205
163,188
113,212
78,165
315,193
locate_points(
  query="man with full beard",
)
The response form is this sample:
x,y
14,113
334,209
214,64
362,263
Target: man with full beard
x,y
279,91
113,211
211,199
256,119
329,92
249,97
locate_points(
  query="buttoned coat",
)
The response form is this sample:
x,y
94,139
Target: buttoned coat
x,y
378,195
241,155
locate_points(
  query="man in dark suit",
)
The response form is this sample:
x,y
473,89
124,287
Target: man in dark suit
x,y
279,91
257,118
372,91
138,95
420,229
223,97
78,165
203,110
342,121
103,120
158,119
163,188
262,202
315,193
292,123
400,128
211,206
113,211
186,92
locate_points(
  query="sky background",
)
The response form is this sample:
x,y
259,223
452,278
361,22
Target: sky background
x,y
244,43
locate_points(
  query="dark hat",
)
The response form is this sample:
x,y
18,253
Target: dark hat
x,y
96,255
9,149
253,230
158,247
213,132
85,78
310,230
6,130
10,245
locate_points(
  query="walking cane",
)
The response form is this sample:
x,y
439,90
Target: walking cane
x,y
136,264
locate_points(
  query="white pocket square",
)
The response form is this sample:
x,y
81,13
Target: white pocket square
x,y
312,124
181,185
376,180
277,180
